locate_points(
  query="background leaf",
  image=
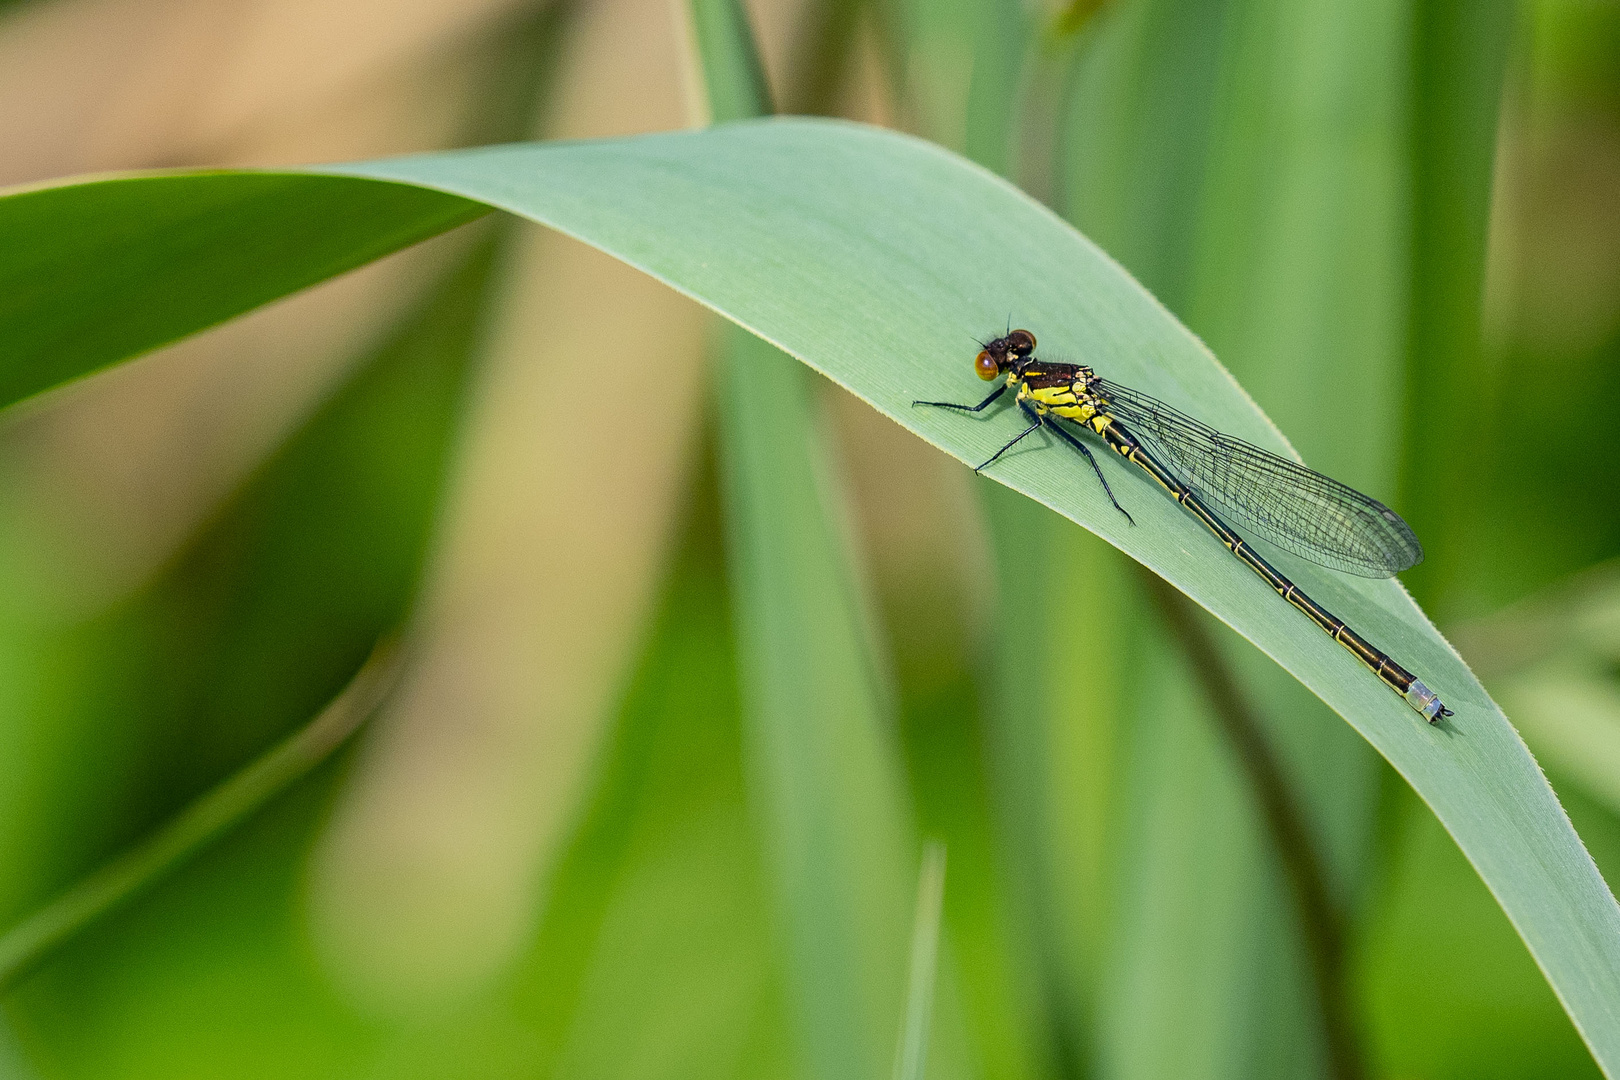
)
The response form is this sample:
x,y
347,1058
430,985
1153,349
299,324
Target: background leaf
x,y
276,604
171,275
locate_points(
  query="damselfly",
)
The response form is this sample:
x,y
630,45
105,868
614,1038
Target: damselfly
x,y
1301,511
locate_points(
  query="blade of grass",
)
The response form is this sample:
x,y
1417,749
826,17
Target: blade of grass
x,y
911,1055
1459,50
821,767
733,74
1025,784
31,941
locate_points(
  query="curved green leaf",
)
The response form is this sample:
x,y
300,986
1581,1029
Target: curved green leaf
x,y
97,272
875,258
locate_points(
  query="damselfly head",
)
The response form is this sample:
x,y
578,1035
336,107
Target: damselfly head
x,y
1003,353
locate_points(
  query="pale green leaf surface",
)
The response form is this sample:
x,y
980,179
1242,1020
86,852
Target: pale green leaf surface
x,y
874,258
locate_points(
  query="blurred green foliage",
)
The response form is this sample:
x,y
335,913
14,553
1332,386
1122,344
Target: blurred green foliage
x,y
267,614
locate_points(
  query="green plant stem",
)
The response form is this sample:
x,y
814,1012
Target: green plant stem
x,y
911,1063
207,819
1320,921
733,76
1460,52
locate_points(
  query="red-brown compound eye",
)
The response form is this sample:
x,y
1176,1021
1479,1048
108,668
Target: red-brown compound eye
x,y
1020,342
986,366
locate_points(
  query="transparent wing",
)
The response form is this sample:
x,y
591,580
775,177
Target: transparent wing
x,y
1299,510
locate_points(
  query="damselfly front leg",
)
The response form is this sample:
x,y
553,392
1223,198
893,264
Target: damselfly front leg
x,y
980,407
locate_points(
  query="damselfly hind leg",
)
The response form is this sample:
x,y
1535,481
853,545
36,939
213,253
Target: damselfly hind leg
x,y
1080,446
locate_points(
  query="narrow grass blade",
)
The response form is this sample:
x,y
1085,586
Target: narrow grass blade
x,y
204,821
1459,61
733,74
911,1056
822,770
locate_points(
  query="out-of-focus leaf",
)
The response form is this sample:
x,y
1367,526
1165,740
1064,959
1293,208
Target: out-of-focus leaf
x,y
100,271
911,1058
208,975
212,816
1552,659
820,761
733,74
655,956
1551,314
268,613
1194,930
1459,60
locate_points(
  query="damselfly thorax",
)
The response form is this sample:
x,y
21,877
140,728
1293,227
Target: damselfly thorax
x,y
1066,390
